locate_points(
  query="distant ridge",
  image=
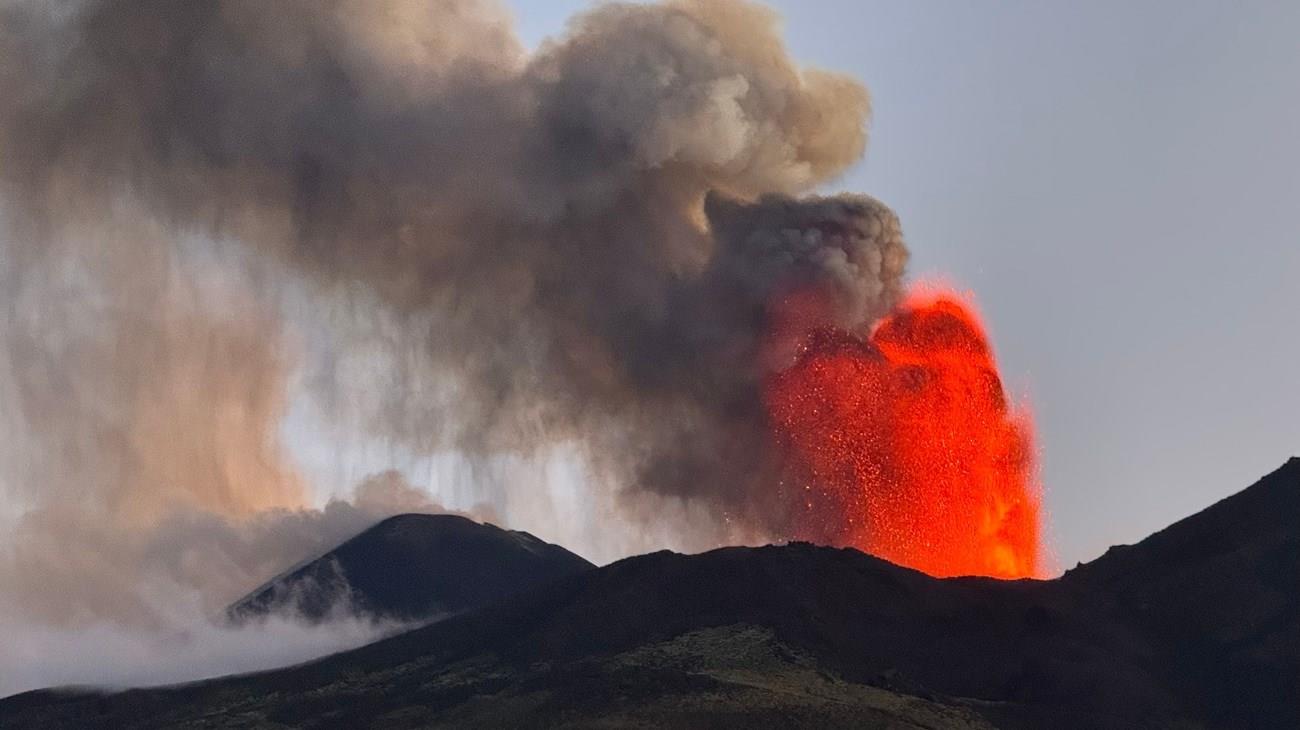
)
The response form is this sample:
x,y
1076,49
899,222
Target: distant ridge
x,y
412,567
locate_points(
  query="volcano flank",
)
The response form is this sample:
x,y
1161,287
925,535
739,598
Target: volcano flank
x,y
1196,626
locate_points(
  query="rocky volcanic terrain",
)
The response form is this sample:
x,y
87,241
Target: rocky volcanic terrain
x,y
1198,626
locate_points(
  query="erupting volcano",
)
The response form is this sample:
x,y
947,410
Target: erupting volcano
x,y
905,445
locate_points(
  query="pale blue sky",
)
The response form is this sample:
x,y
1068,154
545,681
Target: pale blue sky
x,y
1117,182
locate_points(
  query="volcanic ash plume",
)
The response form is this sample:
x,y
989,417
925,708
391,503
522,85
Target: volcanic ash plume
x,y
582,241
584,248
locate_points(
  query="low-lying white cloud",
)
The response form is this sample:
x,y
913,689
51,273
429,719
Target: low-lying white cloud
x,y
115,656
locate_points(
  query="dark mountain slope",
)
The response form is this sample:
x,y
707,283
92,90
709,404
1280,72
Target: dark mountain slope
x,y
1145,637
411,567
591,647
1219,594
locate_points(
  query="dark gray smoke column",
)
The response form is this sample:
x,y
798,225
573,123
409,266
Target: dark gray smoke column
x,y
583,240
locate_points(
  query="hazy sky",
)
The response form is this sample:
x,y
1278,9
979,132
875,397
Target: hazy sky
x,y
1117,183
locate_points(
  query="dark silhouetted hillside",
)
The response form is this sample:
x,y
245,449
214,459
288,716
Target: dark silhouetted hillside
x,y
1195,627
1218,597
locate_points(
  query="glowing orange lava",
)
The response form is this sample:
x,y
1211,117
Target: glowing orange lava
x,y
905,445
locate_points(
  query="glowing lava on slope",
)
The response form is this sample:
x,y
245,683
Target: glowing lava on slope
x,y
904,445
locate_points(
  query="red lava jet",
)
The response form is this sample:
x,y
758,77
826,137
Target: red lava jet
x,y
905,445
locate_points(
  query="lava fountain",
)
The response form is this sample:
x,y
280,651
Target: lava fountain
x,y
905,445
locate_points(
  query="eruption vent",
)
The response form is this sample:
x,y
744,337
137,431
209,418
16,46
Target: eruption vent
x,y
904,445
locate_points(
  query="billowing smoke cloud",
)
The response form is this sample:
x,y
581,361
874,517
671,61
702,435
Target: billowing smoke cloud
x,y
573,248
